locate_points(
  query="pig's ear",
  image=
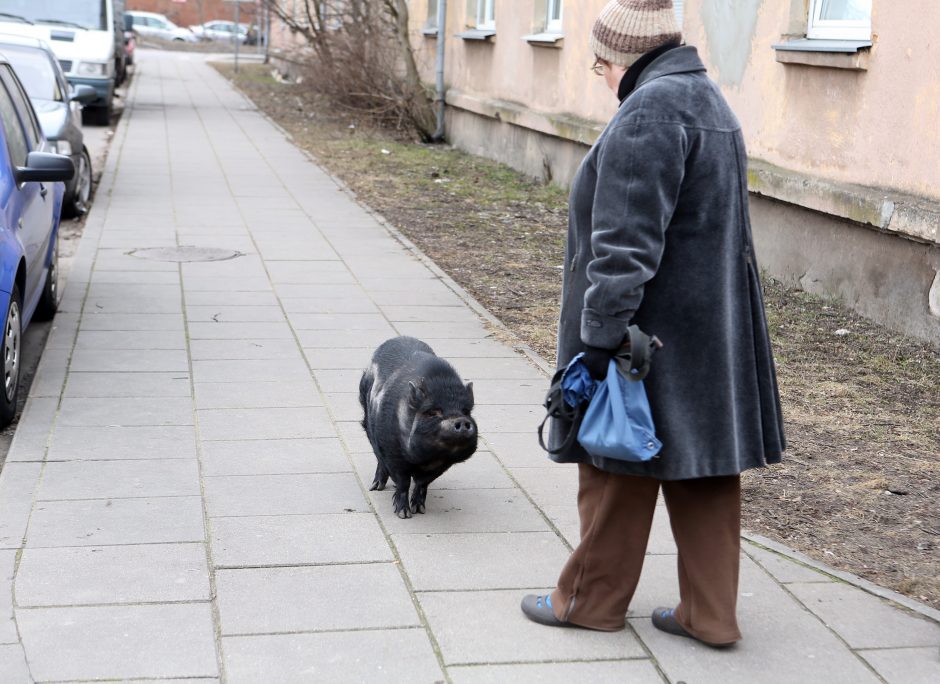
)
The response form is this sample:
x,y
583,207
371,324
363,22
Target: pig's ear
x,y
470,392
418,393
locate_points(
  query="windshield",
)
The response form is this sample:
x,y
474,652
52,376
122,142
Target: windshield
x,y
87,14
35,71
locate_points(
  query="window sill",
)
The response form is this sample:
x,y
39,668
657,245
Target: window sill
x,y
833,54
551,40
429,32
477,34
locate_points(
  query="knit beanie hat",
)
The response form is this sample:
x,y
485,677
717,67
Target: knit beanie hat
x,y
627,29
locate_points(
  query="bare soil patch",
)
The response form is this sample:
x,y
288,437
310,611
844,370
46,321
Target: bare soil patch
x,y
861,479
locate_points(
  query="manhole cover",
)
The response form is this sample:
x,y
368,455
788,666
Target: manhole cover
x,y
185,253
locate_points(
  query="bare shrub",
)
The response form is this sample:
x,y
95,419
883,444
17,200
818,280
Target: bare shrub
x,y
361,59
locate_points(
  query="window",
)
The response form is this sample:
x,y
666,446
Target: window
x,y
486,14
679,6
840,20
16,141
21,102
432,14
553,16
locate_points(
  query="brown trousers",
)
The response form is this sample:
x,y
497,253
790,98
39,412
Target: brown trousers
x,y
616,512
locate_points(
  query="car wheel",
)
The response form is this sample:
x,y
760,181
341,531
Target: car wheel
x,y
10,352
97,116
76,204
49,300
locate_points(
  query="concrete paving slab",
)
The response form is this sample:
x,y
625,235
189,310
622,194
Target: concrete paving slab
x,y
95,575
338,358
267,541
119,642
344,406
467,510
256,394
341,380
905,665
341,321
124,411
116,521
75,443
8,634
283,494
154,306
488,627
273,457
507,392
264,423
378,656
453,562
320,598
131,322
251,371
783,569
118,479
520,450
612,672
130,339
243,349
330,305
863,620
32,431
438,331
343,339
439,314
240,331
104,385
809,653
215,313
13,666
237,299
515,368
18,483
524,418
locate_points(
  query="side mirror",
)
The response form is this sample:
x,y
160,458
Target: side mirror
x,y
43,167
83,94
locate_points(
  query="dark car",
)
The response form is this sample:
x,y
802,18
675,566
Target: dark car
x,y
58,106
31,189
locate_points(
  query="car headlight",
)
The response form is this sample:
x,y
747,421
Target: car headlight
x,y
62,147
93,69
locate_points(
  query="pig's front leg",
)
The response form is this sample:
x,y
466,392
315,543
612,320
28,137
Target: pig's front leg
x,y
400,498
380,479
418,497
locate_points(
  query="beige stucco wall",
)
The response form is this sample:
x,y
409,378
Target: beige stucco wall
x,y
878,128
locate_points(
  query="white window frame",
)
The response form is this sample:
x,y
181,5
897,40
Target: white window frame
x,y
679,7
432,14
486,15
840,29
554,25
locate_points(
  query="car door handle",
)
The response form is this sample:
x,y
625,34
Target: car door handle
x,y
43,191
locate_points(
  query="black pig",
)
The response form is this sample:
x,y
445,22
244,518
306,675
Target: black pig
x,y
417,418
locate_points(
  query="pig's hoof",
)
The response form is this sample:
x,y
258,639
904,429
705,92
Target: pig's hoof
x,y
419,508
377,486
404,513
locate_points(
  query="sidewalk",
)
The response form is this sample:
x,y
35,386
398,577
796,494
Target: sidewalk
x,y
186,495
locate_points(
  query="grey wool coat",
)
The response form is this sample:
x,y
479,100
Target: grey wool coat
x,y
659,235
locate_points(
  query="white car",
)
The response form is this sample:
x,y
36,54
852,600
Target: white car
x,y
220,30
152,25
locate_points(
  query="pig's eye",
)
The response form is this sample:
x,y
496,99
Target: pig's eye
x,y
433,413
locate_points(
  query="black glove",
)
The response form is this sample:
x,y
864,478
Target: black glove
x,y
597,360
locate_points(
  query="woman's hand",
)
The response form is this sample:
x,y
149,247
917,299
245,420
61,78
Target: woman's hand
x,y
597,360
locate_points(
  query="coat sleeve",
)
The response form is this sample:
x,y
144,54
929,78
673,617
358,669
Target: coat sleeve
x,y
639,171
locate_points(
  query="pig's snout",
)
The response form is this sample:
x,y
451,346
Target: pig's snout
x,y
460,428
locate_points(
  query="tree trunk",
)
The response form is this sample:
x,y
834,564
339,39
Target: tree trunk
x,y
420,104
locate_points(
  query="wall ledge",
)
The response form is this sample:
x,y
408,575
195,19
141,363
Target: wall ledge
x,y
912,217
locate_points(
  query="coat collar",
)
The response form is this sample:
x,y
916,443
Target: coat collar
x,y
681,60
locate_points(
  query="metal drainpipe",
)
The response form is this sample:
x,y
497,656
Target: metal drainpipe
x,y
441,30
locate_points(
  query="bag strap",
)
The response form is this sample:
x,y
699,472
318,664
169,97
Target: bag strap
x,y
636,354
557,407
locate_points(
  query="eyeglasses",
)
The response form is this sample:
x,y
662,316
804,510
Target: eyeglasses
x,y
598,67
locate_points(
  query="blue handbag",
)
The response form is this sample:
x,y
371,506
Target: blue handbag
x,y
618,423
610,418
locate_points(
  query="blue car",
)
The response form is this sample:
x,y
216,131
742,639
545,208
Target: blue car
x,y
32,184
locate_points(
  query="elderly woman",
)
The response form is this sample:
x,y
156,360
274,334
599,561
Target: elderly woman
x,y
659,236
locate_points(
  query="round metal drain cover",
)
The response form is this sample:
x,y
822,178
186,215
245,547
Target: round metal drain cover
x,y
185,253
